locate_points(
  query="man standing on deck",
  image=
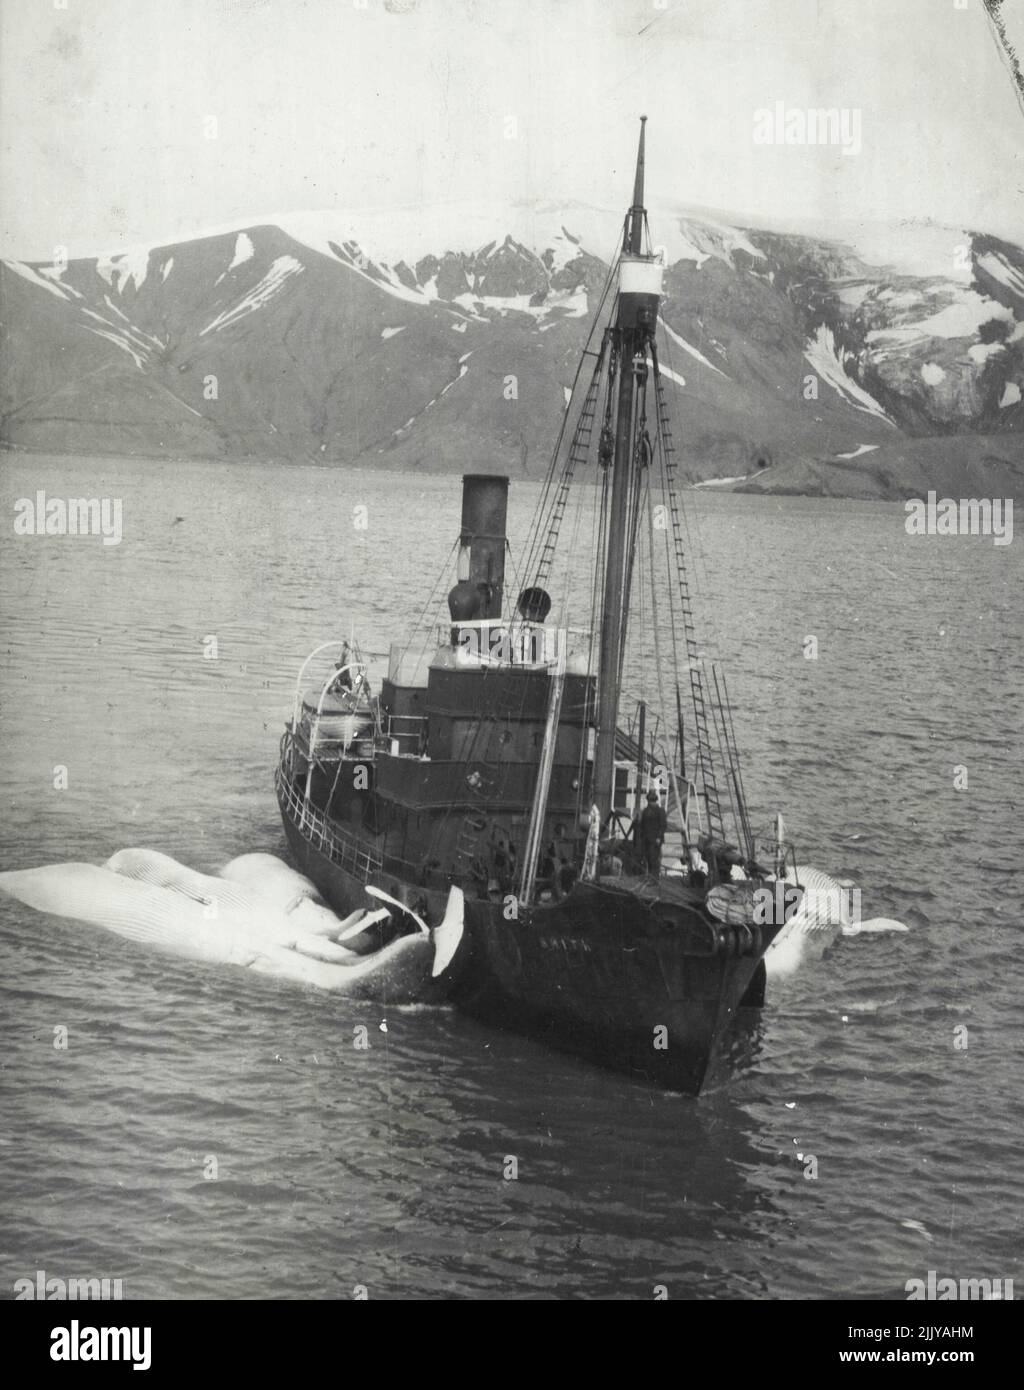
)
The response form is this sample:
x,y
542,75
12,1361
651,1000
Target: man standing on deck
x,y
653,824
343,680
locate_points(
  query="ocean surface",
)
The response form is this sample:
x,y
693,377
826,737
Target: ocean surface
x,y
893,1060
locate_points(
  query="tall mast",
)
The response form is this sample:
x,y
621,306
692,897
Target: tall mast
x,y
636,315
632,240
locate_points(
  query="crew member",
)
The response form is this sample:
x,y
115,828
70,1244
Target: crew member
x,y
653,824
343,680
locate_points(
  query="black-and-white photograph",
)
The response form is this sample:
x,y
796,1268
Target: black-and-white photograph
x,y
513,654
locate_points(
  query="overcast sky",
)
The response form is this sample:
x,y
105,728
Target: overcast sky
x,y
105,109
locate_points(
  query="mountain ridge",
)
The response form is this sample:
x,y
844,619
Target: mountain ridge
x,y
797,365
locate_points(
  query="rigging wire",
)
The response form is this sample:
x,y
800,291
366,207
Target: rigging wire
x,y
725,737
600,535
708,733
655,624
430,600
538,526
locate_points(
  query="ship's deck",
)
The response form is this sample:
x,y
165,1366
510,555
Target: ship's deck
x,y
666,888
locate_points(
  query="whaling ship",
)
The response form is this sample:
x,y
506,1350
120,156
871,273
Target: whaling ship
x,y
491,792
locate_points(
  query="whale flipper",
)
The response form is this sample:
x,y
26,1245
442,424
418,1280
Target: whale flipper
x,y
360,921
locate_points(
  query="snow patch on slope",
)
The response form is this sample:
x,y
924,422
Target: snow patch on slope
x,y
710,238
688,347
132,265
282,269
571,306
55,274
134,341
244,250
823,356
981,352
563,248
960,319
119,340
463,369
860,449
333,235
667,372
34,277
111,305
722,482
1000,269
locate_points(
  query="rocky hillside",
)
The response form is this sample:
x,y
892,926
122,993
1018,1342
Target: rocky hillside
x,y
444,341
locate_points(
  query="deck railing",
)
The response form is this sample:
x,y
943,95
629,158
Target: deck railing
x,y
324,834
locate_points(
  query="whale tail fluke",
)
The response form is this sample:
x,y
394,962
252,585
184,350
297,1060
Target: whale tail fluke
x,y
449,932
875,926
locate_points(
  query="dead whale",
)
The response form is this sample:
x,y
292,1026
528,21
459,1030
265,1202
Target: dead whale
x,y
151,899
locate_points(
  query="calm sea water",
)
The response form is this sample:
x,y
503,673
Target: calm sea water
x,y
385,1168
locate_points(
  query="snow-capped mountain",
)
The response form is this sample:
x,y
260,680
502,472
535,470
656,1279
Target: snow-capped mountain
x,y
448,337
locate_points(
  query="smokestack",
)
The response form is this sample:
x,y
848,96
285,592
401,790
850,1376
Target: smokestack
x,y
482,540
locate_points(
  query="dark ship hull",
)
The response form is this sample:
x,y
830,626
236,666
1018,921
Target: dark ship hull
x,y
612,972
